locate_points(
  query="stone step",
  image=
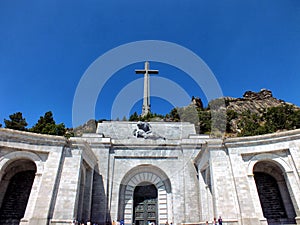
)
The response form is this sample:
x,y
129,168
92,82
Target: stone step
x,y
16,198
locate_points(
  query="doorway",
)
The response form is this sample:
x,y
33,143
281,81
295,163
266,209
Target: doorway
x,y
15,188
145,204
273,194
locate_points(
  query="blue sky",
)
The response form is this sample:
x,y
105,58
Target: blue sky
x,y
46,47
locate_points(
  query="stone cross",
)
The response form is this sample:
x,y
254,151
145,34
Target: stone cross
x,y
146,100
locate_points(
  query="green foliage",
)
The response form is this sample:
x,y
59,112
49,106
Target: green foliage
x,y
69,133
250,124
149,117
134,117
47,125
174,116
296,119
205,122
284,117
231,116
281,118
16,122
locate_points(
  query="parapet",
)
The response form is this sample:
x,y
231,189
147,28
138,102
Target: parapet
x,y
166,130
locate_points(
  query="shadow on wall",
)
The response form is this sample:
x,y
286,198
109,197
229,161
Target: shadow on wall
x,y
100,213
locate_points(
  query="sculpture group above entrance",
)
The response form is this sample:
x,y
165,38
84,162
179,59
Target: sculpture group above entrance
x,y
144,130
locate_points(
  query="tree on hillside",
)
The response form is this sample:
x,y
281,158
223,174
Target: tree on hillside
x,y
205,122
134,117
16,122
296,119
231,116
281,118
251,124
47,125
173,115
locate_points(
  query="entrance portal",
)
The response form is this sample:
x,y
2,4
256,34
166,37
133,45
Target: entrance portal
x,y
273,194
145,204
15,188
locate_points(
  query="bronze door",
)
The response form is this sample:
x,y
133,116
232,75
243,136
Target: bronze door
x,y
145,205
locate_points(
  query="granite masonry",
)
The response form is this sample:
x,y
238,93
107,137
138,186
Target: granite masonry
x,y
154,173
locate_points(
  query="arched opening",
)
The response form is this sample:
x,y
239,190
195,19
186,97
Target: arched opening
x,y
15,188
144,175
145,204
273,194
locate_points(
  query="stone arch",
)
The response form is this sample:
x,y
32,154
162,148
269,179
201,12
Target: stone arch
x,y
7,159
274,195
17,177
143,174
285,166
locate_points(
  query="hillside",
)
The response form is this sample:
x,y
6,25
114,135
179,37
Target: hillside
x,y
259,113
254,102
253,114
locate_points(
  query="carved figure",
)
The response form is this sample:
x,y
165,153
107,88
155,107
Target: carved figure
x,y
143,130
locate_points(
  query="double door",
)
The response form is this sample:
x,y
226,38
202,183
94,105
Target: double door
x,y
145,206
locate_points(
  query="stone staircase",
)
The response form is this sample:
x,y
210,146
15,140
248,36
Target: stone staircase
x,y
16,198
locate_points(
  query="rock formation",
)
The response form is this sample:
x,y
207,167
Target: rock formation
x,y
253,101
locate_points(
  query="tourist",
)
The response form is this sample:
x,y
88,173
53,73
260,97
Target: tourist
x,y
215,221
220,220
167,223
206,223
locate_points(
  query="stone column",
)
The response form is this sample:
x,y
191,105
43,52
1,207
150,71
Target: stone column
x,y
191,188
292,183
255,199
44,199
32,199
245,204
66,199
225,200
205,195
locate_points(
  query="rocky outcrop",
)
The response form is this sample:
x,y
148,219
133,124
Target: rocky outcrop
x,y
89,127
253,101
197,102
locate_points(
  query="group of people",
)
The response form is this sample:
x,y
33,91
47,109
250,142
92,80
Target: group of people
x,y
215,222
167,223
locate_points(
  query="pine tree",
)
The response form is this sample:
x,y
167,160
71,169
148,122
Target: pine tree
x,y
16,122
47,125
134,117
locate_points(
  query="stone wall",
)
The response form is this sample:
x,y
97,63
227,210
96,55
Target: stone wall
x,y
93,177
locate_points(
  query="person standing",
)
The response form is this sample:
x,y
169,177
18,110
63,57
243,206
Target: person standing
x,y
214,221
220,220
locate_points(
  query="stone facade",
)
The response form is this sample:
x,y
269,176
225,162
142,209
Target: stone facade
x,y
247,181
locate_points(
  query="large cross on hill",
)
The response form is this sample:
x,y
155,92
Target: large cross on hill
x,y
146,100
